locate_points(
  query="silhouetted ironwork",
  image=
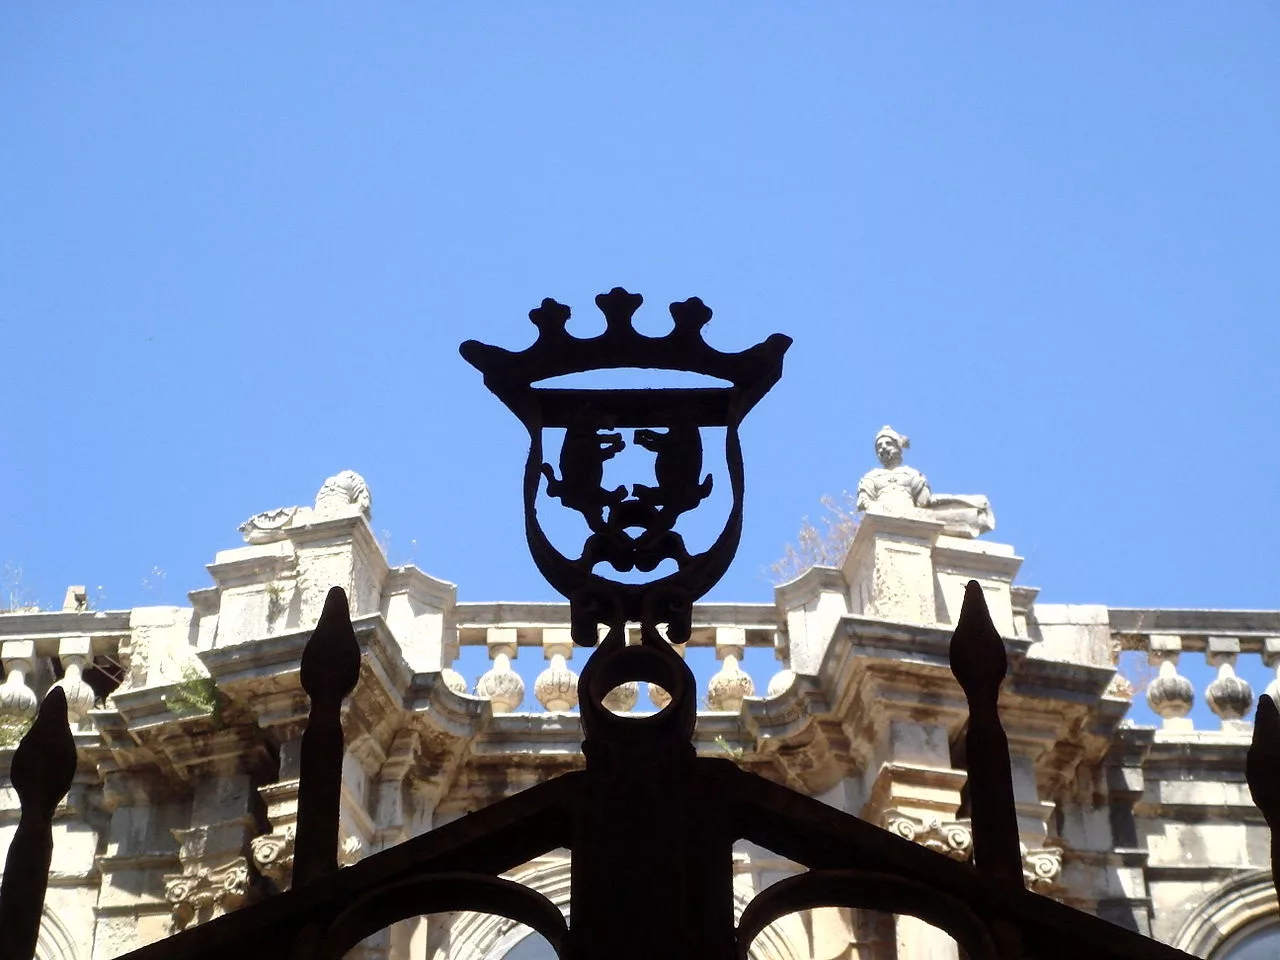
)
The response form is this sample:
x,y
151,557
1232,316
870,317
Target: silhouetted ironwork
x,y
979,664
1262,771
329,672
650,825
41,773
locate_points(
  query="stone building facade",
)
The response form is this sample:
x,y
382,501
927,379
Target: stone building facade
x,y
188,722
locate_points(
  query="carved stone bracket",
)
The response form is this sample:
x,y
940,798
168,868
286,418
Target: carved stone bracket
x,y
952,838
1041,867
273,854
207,893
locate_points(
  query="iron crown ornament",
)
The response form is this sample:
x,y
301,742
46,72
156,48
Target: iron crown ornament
x,y
631,527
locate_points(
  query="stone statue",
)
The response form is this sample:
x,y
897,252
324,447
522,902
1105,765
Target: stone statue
x,y
895,488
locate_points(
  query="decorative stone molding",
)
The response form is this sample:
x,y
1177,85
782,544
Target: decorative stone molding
x,y
207,893
269,525
1233,908
350,851
951,838
1041,868
273,855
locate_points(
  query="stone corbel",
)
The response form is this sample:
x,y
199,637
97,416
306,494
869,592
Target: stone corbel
x,y
207,893
273,854
951,838
1041,868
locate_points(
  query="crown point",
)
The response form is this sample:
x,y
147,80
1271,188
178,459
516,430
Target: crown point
x,y
550,316
690,315
618,306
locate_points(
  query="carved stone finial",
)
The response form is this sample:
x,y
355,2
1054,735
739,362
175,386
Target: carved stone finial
x,y
342,495
269,525
895,488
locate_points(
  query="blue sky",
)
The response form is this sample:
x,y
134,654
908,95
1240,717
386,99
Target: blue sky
x,y
240,242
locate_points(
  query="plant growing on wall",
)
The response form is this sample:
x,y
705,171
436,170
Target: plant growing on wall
x,y
195,694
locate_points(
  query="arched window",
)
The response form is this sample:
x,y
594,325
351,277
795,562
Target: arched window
x,y
1258,941
1238,921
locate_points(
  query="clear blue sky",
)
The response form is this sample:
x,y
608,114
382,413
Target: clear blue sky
x,y
240,242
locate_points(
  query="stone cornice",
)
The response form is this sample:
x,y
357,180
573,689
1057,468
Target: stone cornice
x,y
55,624
806,587
253,564
1216,622
422,586
952,555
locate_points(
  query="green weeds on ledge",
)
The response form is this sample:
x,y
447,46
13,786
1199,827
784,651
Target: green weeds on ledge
x,y
195,694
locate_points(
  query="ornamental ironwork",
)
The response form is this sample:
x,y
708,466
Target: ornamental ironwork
x,y
650,825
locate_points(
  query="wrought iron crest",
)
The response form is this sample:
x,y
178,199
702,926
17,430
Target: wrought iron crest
x,y
667,422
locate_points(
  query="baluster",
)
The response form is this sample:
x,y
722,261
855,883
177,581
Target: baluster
x,y
16,698
781,682
730,685
557,686
1170,695
657,696
1262,771
330,671
979,663
1229,696
1271,657
74,654
41,773
501,685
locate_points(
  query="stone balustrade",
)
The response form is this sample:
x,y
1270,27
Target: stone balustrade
x,y
1241,647
510,633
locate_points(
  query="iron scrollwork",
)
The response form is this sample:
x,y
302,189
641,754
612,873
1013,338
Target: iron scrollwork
x,y
631,527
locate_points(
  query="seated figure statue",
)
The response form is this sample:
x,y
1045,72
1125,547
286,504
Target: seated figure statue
x,y
898,489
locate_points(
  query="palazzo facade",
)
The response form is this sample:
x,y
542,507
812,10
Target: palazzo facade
x,y
188,722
